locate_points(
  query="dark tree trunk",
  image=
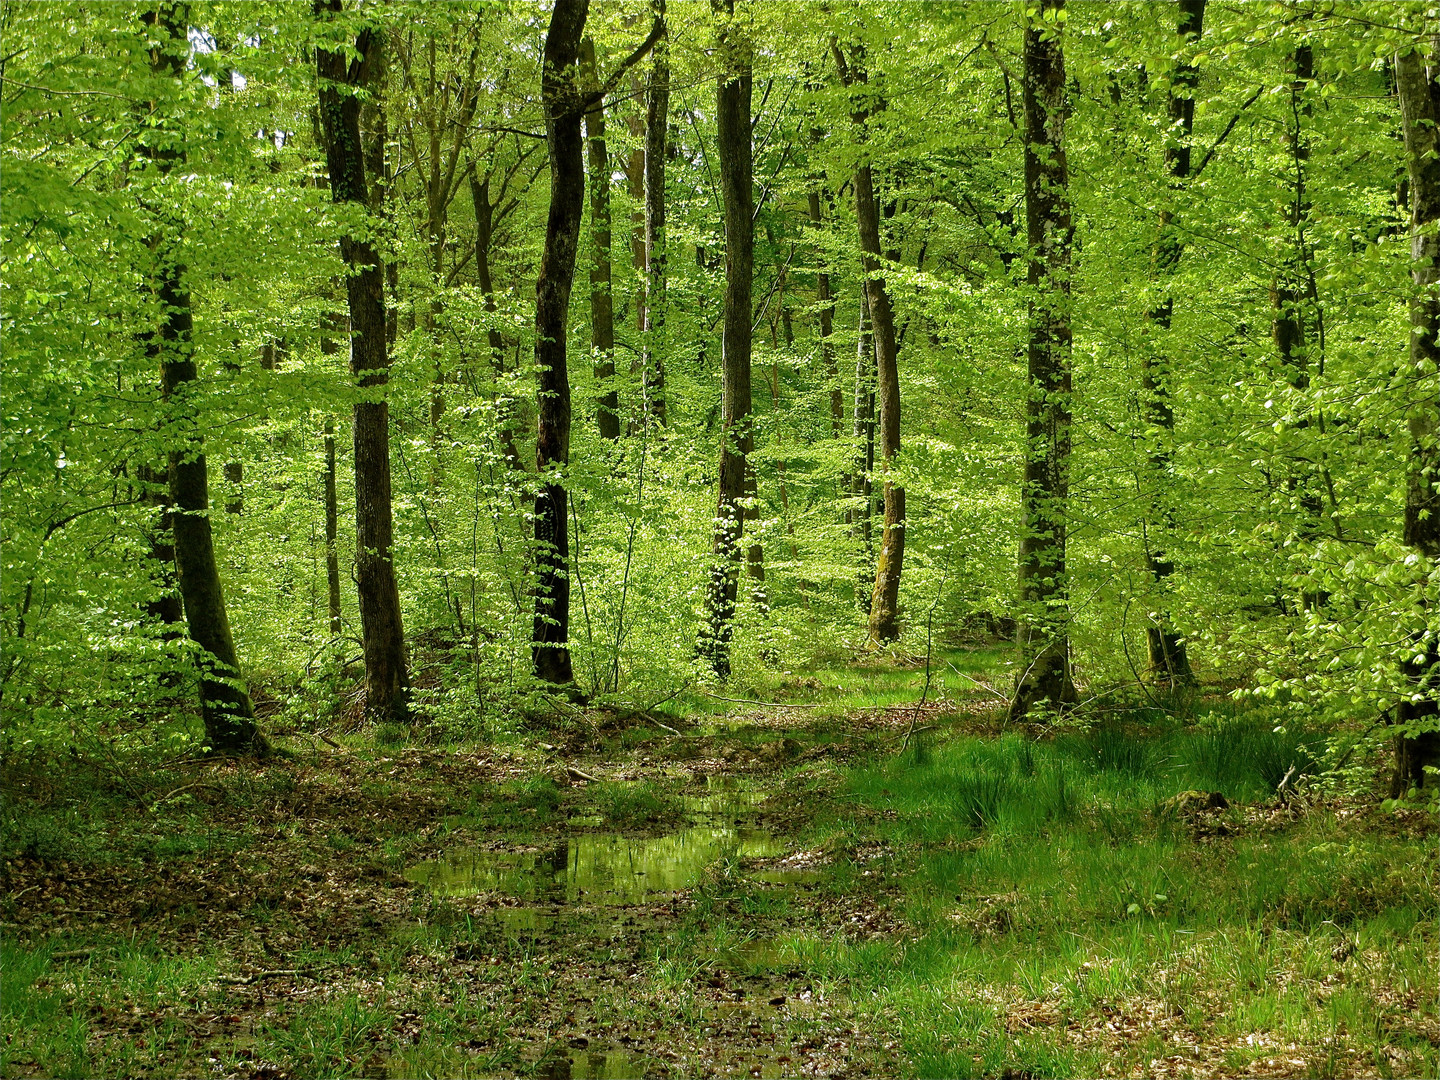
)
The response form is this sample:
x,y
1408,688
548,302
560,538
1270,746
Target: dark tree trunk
x,y
1168,660
826,314
1045,680
225,704
484,240
387,680
861,487
732,122
329,484
602,302
1417,745
885,597
657,117
564,108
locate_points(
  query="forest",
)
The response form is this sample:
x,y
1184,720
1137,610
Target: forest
x,y
848,538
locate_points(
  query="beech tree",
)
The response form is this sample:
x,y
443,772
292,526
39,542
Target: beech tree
x,y
1044,659
387,677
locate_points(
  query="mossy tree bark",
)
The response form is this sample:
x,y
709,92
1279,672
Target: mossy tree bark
x,y
1044,681
387,677
657,119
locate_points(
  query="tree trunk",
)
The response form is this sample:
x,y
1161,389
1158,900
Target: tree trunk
x,y
387,680
732,123
1168,660
1045,680
885,597
484,238
826,313
602,302
1417,744
861,484
329,484
225,704
564,108
657,118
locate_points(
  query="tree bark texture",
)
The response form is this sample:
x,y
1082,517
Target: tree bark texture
x,y
657,118
1169,662
228,715
329,486
1045,680
736,165
387,679
1418,78
602,301
564,108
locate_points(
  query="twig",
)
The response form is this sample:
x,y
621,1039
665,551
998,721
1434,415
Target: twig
x,y
983,686
186,787
929,640
328,741
72,954
281,973
580,774
771,704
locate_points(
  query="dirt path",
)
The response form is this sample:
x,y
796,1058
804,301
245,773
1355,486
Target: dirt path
x,y
583,913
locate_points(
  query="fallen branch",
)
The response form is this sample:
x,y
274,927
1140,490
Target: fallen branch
x,y
281,973
579,774
770,704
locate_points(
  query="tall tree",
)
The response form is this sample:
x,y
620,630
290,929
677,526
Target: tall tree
x,y
657,119
885,598
1417,746
1044,678
1169,662
565,103
387,678
825,315
736,166
602,301
228,714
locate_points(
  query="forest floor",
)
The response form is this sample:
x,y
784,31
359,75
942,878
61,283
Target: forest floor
x,y
834,883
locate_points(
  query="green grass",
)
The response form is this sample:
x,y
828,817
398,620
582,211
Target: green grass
x,y
1052,893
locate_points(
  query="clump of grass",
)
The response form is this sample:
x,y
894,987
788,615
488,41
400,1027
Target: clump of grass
x,y
630,805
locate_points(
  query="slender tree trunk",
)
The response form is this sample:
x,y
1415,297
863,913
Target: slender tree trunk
x,y
735,153
484,240
387,679
861,483
1044,627
1417,745
826,314
1294,296
225,704
602,302
564,108
657,118
885,597
1168,660
329,485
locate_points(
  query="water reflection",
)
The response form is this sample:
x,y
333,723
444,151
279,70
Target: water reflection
x,y
596,868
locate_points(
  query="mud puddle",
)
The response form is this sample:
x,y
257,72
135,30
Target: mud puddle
x,y
615,869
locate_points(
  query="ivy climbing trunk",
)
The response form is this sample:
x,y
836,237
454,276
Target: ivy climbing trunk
x,y
228,715
1044,681
564,108
387,678
736,166
1169,662
1417,743
602,302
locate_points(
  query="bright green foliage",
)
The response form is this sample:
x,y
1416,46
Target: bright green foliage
x,y
1252,454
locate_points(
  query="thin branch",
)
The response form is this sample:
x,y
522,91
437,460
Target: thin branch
x,y
1226,133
